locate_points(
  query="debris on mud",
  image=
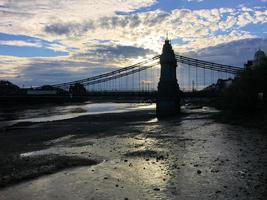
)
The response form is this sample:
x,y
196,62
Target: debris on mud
x,y
156,189
146,154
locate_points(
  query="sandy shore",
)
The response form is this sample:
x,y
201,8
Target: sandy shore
x,y
134,156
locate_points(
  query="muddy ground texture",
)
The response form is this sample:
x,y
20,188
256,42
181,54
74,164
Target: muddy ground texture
x,y
26,137
134,156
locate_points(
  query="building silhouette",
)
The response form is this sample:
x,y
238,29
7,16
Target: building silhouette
x,y
259,59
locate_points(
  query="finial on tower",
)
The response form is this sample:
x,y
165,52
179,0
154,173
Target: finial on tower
x,y
167,38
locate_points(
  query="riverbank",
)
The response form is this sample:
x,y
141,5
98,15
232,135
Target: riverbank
x,y
250,120
28,136
256,119
133,156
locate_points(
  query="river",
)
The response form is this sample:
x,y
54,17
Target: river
x,y
52,112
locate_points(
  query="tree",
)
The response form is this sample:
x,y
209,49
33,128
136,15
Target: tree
x,y
243,94
77,90
7,88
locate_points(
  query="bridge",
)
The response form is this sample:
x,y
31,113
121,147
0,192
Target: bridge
x,y
144,76
157,76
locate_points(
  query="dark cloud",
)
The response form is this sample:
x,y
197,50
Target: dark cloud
x,y
69,28
233,53
123,51
58,29
113,54
119,21
130,21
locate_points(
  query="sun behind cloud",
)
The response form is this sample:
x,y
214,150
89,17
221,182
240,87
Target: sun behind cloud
x,y
44,41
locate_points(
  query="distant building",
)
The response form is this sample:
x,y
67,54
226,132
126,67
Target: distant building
x,y
259,58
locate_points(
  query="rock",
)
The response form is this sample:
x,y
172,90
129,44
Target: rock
x,y
214,170
257,186
156,189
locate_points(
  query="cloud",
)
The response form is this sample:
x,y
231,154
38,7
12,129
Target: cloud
x,y
146,29
68,28
30,16
19,43
122,51
94,35
114,55
232,53
39,71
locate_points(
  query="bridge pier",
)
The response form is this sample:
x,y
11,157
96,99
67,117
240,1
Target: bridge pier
x,y
168,101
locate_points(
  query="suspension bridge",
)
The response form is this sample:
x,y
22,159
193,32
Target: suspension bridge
x,y
192,74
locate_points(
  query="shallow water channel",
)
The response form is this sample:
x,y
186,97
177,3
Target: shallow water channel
x,y
45,113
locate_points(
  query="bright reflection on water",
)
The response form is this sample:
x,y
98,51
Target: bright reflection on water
x,y
52,113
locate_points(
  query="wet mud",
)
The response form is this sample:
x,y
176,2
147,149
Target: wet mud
x,y
188,157
20,169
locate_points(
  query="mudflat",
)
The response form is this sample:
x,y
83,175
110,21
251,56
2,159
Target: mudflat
x,y
27,136
134,156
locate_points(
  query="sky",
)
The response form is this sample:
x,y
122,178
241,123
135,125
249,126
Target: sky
x,y
54,41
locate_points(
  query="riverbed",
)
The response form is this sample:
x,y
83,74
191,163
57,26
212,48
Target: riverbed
x,y
139,157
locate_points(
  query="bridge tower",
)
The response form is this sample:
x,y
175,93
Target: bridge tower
x,y
168,101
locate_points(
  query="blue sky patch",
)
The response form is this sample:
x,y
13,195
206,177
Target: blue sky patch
x,y
23,51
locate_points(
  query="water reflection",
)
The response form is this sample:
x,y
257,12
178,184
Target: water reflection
x,y
52,113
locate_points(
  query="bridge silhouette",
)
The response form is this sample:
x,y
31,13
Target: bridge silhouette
x,y
144,76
